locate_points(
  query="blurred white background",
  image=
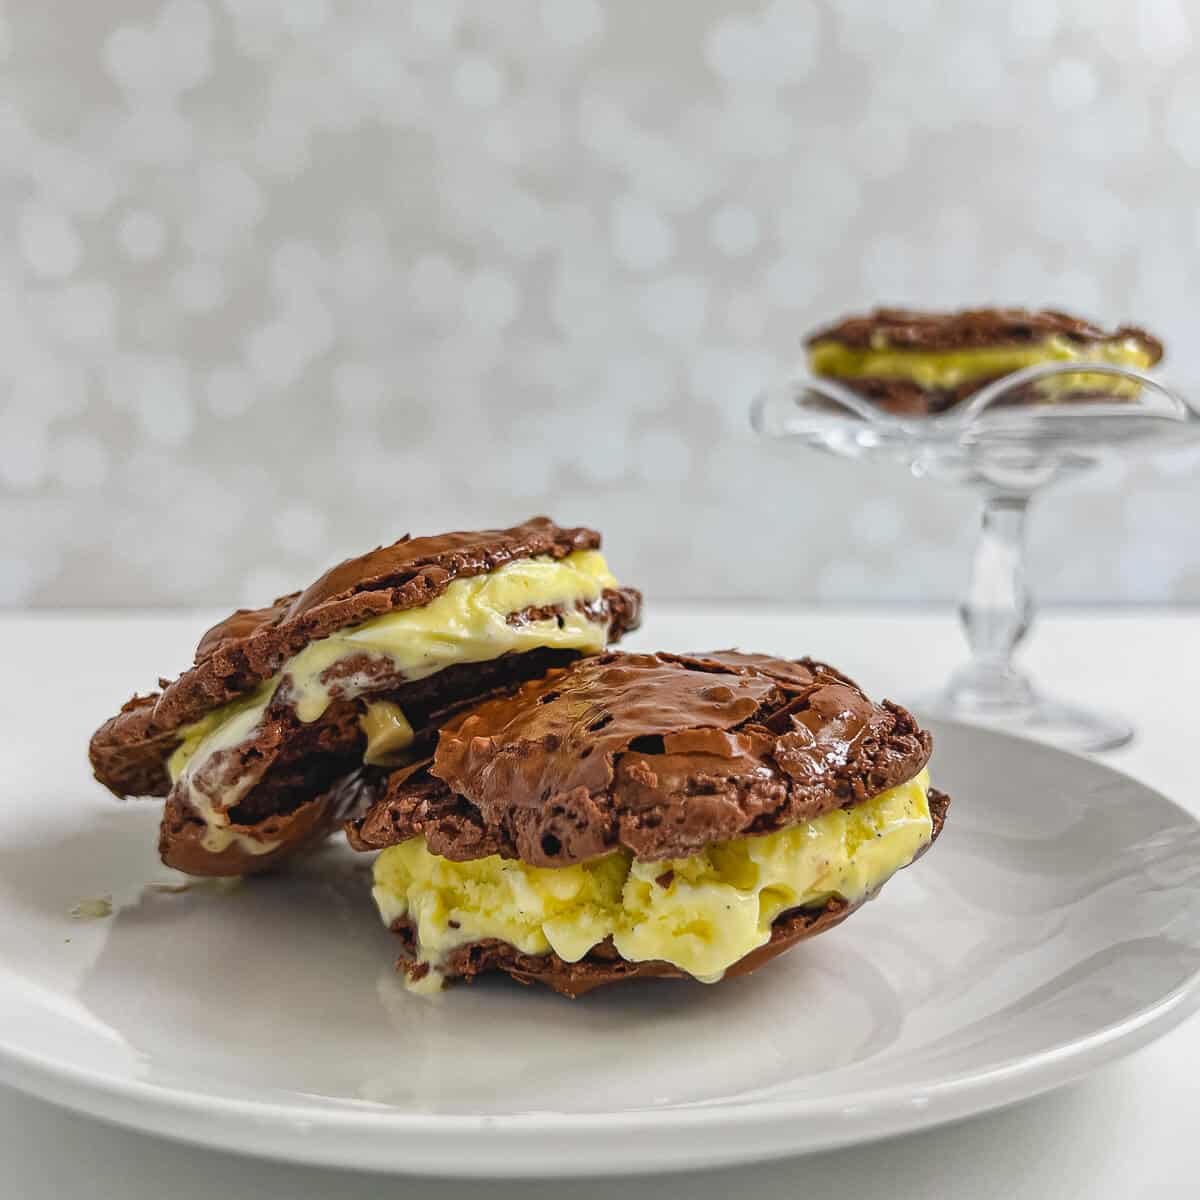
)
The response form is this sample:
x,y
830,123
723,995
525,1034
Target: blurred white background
x,y
283,279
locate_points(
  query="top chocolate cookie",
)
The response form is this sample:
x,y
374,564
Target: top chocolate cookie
x,y
919,362
662,754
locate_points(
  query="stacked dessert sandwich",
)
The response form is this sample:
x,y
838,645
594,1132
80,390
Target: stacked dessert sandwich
x,y
920,363
363,666
546,808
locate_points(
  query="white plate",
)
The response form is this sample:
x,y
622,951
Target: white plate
x,y
1055,926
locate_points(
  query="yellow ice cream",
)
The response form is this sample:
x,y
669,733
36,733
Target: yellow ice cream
x,y
946,369
388,733
468,623
701,914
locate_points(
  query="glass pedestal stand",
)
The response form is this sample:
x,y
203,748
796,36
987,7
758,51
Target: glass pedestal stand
x,y
1008,442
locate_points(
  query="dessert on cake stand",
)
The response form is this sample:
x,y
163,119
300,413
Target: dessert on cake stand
x,y
1011,439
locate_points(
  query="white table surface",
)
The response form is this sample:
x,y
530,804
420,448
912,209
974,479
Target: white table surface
x,y
1132,1130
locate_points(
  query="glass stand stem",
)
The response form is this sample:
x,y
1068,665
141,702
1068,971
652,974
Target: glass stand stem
x,y
997,612
998,608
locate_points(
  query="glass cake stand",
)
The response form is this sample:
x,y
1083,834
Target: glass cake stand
x,y
1010,440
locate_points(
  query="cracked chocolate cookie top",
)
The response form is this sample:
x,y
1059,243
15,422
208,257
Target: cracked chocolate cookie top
x,y
909,329
662,754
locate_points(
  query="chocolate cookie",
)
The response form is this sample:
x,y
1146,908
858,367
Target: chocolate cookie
x,y
623,776
377,653
917,363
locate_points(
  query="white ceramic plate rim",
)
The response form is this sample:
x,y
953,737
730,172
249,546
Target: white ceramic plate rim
x,y
515,1144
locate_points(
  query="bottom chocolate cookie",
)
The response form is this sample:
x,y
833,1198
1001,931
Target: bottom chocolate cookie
x,y
603,964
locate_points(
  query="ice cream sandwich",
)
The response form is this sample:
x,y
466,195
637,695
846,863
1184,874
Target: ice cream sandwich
x,y
644,815
919,363
363,666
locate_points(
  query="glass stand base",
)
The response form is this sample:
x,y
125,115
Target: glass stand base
x,y
1005,700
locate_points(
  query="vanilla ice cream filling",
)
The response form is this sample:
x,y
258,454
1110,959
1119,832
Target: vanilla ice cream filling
x,y
468,623
701,914
947,369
